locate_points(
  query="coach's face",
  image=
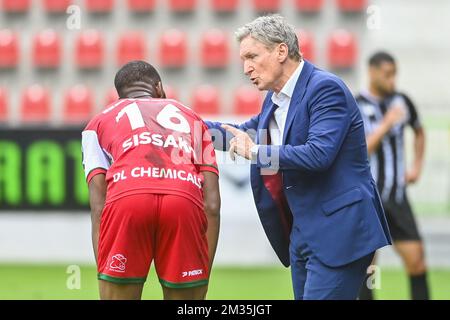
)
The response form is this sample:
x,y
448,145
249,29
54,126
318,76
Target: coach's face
x,y
262,65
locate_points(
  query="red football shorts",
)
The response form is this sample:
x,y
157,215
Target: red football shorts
x,y
138,228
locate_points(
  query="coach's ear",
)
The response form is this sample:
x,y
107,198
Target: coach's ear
x,y
160,91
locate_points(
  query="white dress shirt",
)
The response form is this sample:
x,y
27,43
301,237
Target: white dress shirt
x,y
283,100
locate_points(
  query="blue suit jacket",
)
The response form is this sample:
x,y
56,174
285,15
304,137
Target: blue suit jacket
x,y
323,159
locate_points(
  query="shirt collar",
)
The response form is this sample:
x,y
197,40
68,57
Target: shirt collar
x,y
368,96
375,100
288,89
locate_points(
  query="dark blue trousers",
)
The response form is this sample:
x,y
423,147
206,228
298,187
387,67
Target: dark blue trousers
x,y
313,280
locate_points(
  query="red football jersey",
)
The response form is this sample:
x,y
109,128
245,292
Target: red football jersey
x,y
149,146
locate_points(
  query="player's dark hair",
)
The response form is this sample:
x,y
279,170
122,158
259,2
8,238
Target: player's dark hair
x,y
379,57
135,71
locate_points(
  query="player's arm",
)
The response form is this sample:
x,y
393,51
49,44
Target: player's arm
x,y
413,174
96,164
391,118
97,195
419,151
211,198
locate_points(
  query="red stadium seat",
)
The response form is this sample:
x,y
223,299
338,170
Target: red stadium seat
x,y
111,96
214,49
141,5
56,6
99,6
225,5
89,49
247,101
342,49
266,5
352,5
9,49
309,5
78,104
173,49
306,43
131,46
47,49
171,93
35,106
182,5
206,100
13,6
4,112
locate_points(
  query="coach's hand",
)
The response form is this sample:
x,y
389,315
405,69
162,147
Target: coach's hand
x,y
240,144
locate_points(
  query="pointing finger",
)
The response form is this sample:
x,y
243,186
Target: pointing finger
x,y
231,129
232,152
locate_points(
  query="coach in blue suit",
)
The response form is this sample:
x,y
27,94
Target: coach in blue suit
x,y
310,176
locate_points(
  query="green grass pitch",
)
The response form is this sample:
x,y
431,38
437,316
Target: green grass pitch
x,y
50,282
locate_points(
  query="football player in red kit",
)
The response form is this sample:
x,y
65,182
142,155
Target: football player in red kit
x,y
154,194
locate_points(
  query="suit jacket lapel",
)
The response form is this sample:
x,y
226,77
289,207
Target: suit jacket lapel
x,y
299,92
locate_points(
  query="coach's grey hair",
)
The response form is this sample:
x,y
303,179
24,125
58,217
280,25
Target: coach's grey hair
x,y
272,30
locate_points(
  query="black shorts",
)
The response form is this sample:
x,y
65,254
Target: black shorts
x,y
401,221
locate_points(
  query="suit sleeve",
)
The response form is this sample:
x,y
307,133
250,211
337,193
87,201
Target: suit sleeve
x,y
221,138
329,124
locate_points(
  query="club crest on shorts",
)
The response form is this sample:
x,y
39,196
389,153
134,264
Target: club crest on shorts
x,y
118,262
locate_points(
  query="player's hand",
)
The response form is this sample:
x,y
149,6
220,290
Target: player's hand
x,y
240,144
395,115
412,176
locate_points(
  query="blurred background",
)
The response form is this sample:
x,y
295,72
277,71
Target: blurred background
x,y
58,59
